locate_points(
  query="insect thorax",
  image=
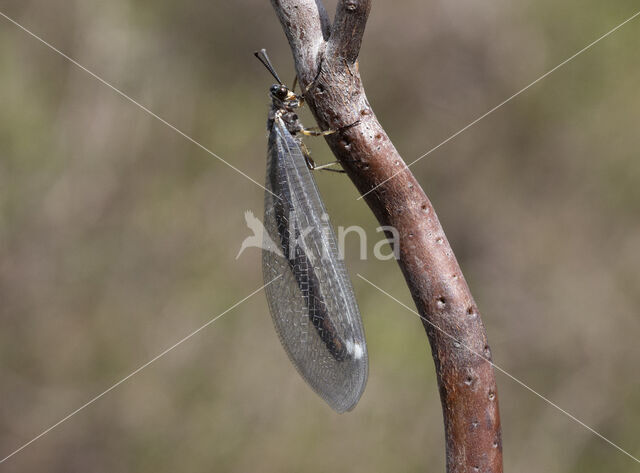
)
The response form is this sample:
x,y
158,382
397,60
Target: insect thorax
x,y
287,112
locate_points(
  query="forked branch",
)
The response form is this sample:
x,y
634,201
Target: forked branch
x,y
440,292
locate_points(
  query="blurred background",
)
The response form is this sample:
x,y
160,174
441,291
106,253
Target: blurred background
x,y
118,237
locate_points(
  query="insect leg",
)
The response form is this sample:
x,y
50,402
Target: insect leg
x,y
314,82
325,167
316,132
346,127
307,156
311,164
304,91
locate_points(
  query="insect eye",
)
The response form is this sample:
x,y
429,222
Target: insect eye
x,y
282,92
279,91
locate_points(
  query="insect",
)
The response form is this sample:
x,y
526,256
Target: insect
x,y
312,302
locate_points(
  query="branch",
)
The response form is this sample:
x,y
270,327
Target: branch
x,y
467,383
348,29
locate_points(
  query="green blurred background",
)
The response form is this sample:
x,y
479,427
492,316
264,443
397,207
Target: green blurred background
x,y
118,237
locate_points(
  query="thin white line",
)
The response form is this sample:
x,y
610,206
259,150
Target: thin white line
x,y
572,417
503,103
134,372
95,76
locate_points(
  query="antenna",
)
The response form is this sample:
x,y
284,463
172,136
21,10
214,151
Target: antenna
x,y
264,59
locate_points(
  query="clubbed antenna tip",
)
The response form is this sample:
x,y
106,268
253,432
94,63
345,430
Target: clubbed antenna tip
x,y
264,59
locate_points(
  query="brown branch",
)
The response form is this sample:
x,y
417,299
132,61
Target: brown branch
x,y
440,292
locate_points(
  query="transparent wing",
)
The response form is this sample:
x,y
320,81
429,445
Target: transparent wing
x,y
312,304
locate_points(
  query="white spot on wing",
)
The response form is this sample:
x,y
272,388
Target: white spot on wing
x,y
355,349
